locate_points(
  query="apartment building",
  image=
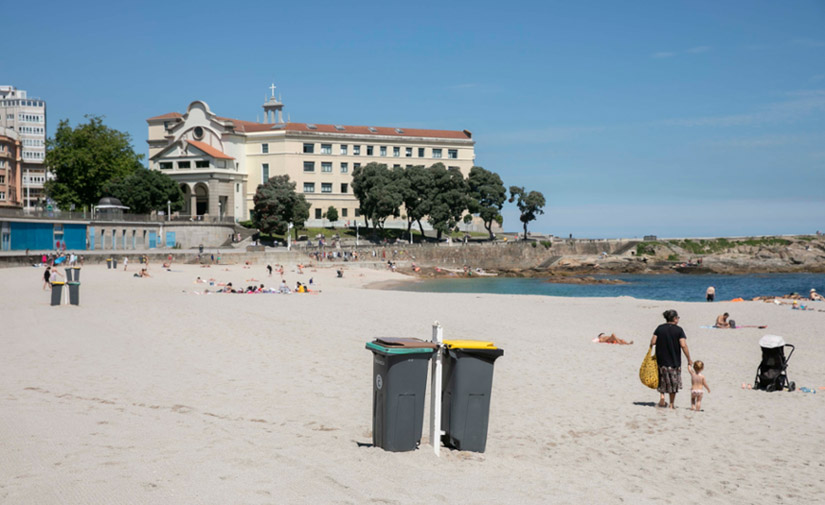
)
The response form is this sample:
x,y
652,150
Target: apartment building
x,y
10,169
220,162
27,117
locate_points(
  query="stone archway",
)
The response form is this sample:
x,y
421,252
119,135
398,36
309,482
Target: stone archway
x,y
200,198
187,199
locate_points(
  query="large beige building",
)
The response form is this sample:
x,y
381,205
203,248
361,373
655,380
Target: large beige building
x,y
220,162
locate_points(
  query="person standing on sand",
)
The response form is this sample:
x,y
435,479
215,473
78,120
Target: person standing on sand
x,y
710,294
670,339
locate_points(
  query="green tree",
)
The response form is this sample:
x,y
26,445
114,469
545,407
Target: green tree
x,y
277,205
331,214
448,198
415,190
84,159
529,204
487,196
145,191
379,192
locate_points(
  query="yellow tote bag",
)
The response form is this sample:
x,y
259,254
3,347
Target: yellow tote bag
x,y
649,371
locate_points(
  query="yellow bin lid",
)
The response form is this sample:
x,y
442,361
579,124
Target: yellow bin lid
x,y
469,344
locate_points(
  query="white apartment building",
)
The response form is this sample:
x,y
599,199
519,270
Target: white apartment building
x,y
220,162
27,117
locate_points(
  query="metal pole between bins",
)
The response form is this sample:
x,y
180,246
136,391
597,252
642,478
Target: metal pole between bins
x,y
435,390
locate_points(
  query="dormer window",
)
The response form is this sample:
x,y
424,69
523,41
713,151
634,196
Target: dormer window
x,y
198,132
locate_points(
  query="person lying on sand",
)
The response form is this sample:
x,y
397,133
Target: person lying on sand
x,y
816,296
612,339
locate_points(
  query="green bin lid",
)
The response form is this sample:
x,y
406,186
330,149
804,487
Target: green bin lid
x,y
74,283
400,346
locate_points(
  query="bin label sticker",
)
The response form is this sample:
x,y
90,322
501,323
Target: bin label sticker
x,y
379,382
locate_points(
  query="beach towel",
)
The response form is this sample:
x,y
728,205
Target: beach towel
x,y
649,371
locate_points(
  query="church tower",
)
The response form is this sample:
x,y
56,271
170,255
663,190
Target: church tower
x,y
273,109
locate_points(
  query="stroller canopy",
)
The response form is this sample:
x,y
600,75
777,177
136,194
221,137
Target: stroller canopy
x,y
771,341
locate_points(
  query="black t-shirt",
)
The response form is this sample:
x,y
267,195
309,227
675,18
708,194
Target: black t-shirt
x,y
668,350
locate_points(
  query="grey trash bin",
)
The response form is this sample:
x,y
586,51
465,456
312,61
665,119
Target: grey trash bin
x,y
114,263
109,263
74,293
76,274
467,378
399,382
57,292
68,274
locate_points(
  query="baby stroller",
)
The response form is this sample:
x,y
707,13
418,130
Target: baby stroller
x,y
771,374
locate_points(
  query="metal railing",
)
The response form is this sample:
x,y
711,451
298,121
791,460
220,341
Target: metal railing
x,y
63,215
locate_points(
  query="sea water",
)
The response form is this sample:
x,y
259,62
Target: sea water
x,y
676,287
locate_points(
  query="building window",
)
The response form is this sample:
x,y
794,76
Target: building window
x,y
326,187
326,148
265,172
452,153
369,150
309,148
309,187
409,152
202,164
396,166
383,150
344,212
436,153
318,214
343,149
309,166
326,166
344,187
165,165
265,148
344,168
183,164
2,179
356,165
396,151
356,150
357,212
2,195
420,152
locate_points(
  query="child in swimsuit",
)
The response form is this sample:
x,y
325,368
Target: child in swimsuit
x,y
698,382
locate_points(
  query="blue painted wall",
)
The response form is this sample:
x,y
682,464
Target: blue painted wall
x,y
32,236
75,236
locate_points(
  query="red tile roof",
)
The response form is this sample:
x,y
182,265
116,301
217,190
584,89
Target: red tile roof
x,y
171,115
249,126
211,151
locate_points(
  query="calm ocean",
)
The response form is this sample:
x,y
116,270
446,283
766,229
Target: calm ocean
x,y
678,287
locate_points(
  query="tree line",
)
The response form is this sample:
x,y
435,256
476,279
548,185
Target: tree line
x,y
92,160
438,194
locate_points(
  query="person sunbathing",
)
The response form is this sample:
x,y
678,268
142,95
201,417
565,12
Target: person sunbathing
x,y
612,339
722,321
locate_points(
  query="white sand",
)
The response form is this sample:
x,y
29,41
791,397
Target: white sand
x,y
147,394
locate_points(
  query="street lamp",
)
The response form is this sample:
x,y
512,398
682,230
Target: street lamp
x,y
169,210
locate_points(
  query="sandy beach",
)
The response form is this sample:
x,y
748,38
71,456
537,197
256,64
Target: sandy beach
x,y
148,393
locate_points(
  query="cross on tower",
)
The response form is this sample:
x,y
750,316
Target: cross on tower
x,y
273,89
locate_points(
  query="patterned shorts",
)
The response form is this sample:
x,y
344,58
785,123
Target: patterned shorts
x,y
670,379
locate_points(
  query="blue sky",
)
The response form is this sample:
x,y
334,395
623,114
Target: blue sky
x,y
632,118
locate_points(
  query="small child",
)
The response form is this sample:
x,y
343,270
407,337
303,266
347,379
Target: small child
x,y
697,382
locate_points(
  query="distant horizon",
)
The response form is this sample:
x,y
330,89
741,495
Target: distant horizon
x,y
699,119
